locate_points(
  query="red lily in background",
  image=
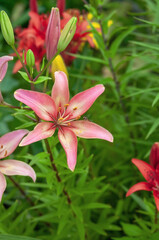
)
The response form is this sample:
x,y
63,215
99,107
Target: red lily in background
x,y
33,37
82,34
8,144
59,112
150,172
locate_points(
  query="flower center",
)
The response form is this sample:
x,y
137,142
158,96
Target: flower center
x,y
63,120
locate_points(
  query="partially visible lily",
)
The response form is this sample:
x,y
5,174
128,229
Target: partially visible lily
x,y
8,144
58,65
59,112
33,6
52,33
150,173
4,65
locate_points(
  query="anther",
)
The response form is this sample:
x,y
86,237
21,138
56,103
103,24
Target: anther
x,y
60,119
1,146
75,108
66,105
59,109
5,154
69,124
78,117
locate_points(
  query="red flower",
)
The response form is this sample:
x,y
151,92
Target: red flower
x,y
32,38
81,36
150,173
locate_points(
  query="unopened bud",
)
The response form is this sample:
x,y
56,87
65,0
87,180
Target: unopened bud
x,y
30,59
52,33
7,29
67,34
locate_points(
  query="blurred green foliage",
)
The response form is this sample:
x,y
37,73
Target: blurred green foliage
x,y
127,63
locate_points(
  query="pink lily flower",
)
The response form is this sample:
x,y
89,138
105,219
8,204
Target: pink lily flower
x,y
8,144
63,114
150,173
4,65
52,33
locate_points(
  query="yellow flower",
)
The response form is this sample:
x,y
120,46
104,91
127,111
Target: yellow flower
x,y
89,16
58,65
110,22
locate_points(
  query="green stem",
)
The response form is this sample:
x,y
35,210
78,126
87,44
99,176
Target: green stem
x,y
156,213
55,169
24,66
46,66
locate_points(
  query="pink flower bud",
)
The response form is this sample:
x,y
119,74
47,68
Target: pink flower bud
x,y
4,65
52,33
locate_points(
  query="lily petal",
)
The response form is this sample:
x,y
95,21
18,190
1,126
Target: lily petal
x,y
139,186
154,155
15,167
60,90
146,169
42,104
156,197
41,131
3,185
81,102
87,129
10,141
4,65
68,141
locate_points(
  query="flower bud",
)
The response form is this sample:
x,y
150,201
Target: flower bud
x,y
7,29
67,34
30,59
52,33
4,65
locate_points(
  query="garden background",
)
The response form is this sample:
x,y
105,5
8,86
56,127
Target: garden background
x,y
126,61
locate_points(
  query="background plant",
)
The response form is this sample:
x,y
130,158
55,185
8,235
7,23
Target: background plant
x,y
127,64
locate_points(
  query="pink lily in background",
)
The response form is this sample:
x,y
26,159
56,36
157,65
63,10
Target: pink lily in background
x,y
8,144
4,65
62,113
150,173
52,33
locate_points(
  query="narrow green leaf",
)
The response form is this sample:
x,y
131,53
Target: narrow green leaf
x,y
16,237
42,79
147,45
116,43
96,205
153,128
88,58
132,230
155,100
